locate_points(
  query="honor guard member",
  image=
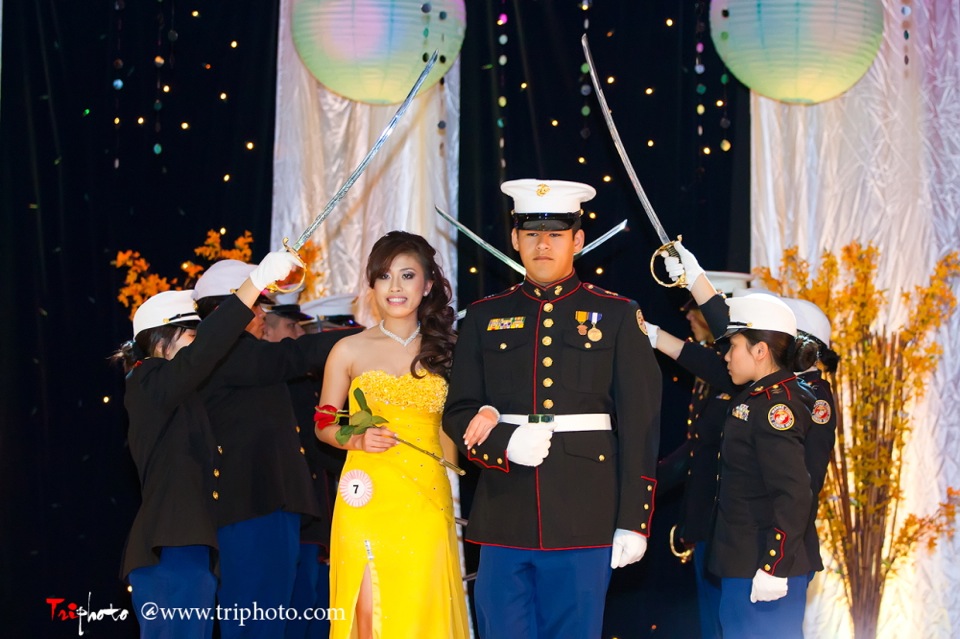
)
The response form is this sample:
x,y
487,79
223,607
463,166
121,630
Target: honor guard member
x,y
284,320
694,463
331,313
555,395
312,584
814,358
759,545
264,481
170,557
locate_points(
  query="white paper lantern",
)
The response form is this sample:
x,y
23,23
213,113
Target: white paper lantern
x,y
373,50
801,51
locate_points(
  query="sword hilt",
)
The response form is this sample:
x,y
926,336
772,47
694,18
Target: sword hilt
x,y
294,279
670,250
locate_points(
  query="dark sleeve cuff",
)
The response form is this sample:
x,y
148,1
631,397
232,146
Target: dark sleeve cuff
x,y
492,454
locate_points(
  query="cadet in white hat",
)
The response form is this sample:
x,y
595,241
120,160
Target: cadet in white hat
x,y
814,357
694,463
172,544
763,446
541,373
252,417
331,312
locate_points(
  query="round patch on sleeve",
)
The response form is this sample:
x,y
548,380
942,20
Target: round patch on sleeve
x,y
821,412
356,488
640,322
781,417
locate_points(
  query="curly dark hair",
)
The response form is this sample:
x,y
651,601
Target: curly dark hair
x,y
435,314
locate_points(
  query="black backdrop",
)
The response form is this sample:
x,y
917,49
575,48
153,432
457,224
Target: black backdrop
x,y
75,189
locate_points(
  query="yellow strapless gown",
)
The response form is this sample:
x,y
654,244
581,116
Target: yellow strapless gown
x,y
394,513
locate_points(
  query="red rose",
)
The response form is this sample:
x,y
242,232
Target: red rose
x,y
326,415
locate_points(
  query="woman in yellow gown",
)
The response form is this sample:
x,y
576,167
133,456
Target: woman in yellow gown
x,y
394,563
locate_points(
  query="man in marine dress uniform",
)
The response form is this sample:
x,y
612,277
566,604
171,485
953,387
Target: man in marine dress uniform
x,y
555,395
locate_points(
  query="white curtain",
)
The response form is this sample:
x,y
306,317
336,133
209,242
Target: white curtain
x,y
320,139
881,164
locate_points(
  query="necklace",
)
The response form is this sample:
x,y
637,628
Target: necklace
x,y
397,338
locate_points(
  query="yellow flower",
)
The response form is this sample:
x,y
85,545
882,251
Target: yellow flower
x,y
883,372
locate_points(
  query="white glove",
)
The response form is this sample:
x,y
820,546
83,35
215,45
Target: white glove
x,y
686,264
653,331
766,587
274,267
628,547
529,444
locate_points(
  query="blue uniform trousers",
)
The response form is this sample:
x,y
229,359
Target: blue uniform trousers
x,y
541,593
310,590
708,594
182,580
782,619
258,563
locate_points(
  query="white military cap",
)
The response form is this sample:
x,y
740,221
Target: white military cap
x,y
810,319
330,306
547,205
727,282
175,308
760,312
222,278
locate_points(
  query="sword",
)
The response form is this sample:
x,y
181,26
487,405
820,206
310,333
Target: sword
x,y
494,251
287,285
463,228
603,238
372,152
618,143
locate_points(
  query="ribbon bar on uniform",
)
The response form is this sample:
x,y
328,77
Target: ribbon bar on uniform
x,y
563,423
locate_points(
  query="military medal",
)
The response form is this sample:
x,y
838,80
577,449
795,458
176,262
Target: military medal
x,y
595,334
581,318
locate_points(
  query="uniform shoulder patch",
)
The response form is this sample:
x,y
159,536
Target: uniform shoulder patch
x,y
640,322
821,412
781,417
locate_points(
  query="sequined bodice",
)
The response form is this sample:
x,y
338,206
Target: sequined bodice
x,y
426,394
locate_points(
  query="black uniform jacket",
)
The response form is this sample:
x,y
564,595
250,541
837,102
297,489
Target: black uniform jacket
x,y
819,450
765,498
696,462
324,461
261,465
172,443
530,350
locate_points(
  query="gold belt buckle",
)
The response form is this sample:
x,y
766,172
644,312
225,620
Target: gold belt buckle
x,y
540,418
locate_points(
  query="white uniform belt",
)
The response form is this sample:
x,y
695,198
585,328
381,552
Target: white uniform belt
x,y
563,423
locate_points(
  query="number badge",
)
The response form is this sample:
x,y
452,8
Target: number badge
x,y
356,488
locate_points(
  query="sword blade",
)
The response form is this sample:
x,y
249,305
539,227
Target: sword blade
x,y
372,152
603,238
481,242
618,143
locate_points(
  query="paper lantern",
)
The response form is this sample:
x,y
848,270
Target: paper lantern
x,y
373,50
801,51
